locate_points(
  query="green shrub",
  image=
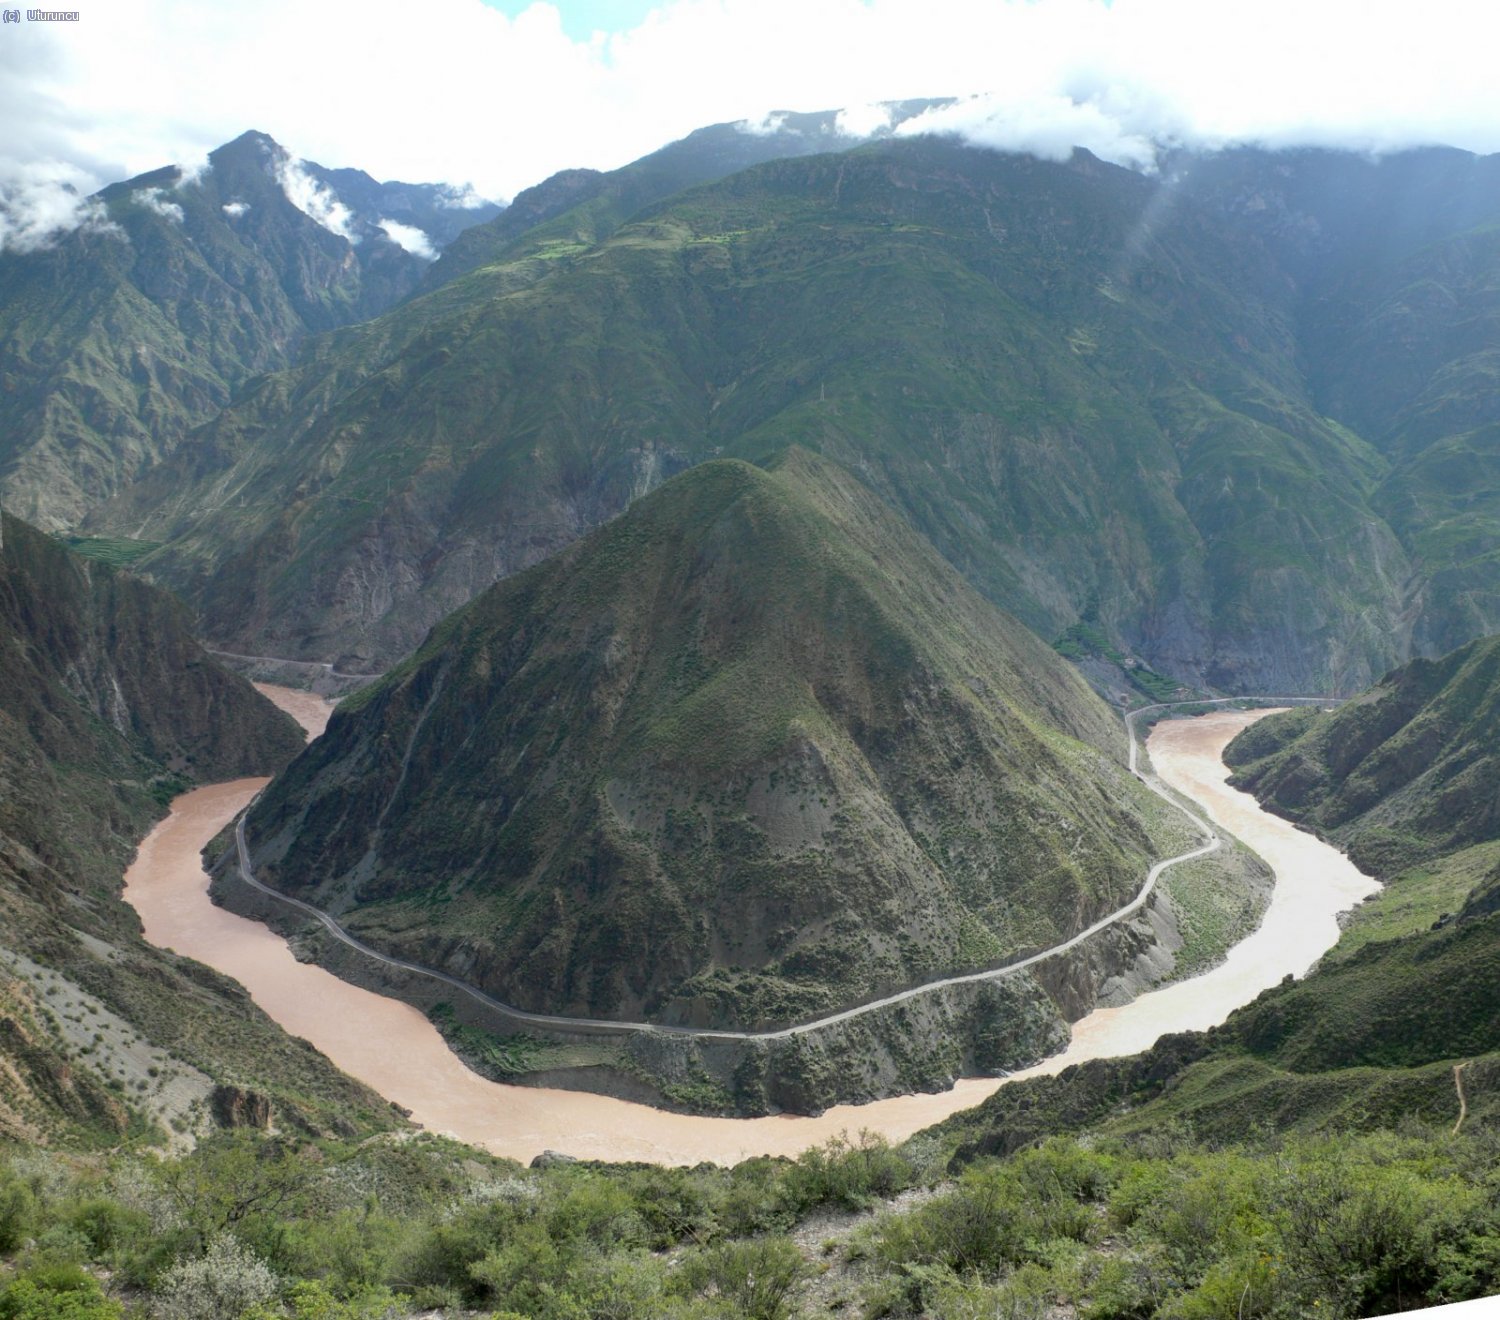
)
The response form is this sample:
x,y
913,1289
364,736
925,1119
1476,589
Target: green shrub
x,y
224,1283
348,1249
756,1279
17,1208
56,1292
1200,1210
754,1202
1027,1294
852,1174
1248,1287
107,1226
314,1301
621,1286
594,1209
521,1273
672,1205
240,1183
973,1231
1364,1239
1123,1287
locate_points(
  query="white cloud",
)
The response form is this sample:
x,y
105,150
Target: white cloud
x,y
502,102
314,199
862,121
463,198
1045,126
39,201
156,199
764,126
410,238
234,210
193,169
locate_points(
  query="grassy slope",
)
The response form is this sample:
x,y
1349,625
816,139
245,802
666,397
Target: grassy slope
x,y
575,209
1370,1038
748,753
1402,776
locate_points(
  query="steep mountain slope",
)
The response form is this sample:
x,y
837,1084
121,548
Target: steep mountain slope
x,y
140,324
747,754
1405,773
107,709
98,664
1396,260
1088,400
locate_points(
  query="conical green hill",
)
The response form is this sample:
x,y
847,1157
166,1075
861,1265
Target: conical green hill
x,y
749,753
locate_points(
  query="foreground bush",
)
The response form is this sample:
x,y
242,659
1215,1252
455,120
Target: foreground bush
x,y
252,1228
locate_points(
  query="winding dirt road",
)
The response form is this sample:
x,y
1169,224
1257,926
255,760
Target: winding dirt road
x,y
393,1048
310,716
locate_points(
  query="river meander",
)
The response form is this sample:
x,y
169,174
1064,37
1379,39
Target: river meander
x,y
394,1049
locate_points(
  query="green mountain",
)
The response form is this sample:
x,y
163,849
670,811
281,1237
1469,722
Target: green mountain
x,y
1402,777
747,754
141,324
1404,774
108,708
1322,1154
1396,263
1281,1184
1081,384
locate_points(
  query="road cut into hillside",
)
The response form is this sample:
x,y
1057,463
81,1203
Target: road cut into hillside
x,y
393,1048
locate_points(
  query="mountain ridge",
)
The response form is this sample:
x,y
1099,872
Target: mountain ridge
x,y
1045,389
1398,776
108,709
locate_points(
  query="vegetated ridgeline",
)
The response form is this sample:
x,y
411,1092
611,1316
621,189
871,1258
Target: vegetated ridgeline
x,y
574,209
1031,360
108,708
1073,1224
208,281
1404,774
554,1022
1405,778
748,755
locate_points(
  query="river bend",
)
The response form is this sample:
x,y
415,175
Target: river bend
x,y
393,1048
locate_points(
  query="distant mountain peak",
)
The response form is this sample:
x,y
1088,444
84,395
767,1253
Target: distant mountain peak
x,y
250,141
209,273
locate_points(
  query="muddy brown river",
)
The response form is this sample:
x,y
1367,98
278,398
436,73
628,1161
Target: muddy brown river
x,y
394,1049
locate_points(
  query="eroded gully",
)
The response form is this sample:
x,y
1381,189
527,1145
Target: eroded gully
x,y
395,1050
